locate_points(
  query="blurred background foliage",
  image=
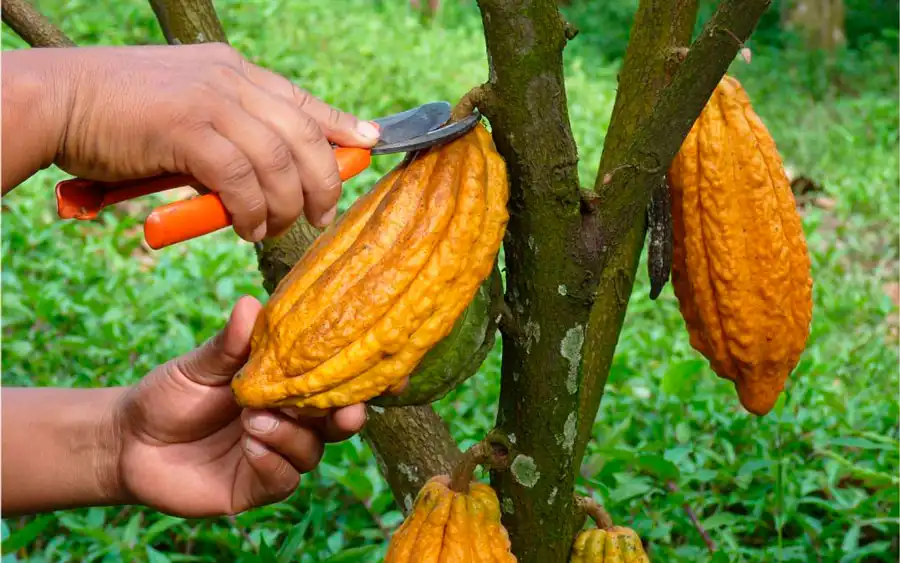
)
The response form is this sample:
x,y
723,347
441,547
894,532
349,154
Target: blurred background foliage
x,y
85,304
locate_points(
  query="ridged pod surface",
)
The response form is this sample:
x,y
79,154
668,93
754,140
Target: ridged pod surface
x,y
613,545
740,265
445,526
383,284
455,358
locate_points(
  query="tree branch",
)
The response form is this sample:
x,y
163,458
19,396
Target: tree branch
x,y
189,21
411,444
32,26
658,134
549,282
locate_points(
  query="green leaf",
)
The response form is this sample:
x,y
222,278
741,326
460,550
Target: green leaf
x,y
720,519
680,378
165,522
630,489
266,555
851,539
154,556
659,466
861,443
752,466
353,554
26,534
294,540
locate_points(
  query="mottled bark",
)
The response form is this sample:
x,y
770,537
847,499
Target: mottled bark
x,y
549,283
632,167
411,445
32,26
189,21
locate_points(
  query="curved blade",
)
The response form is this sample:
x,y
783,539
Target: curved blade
x,y
411,123
432,137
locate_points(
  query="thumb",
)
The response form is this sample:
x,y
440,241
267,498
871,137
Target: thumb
x,y
219,358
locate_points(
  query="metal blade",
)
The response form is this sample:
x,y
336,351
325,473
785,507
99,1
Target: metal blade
x,y
411,123
431,137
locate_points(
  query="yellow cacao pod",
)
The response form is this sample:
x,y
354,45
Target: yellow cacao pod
x,y
740,265
383,284
612,545
445,526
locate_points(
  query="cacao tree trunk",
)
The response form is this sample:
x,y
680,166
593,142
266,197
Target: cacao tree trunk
x,y
820,23
571,254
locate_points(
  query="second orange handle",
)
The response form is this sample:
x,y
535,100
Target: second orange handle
x,y
184,220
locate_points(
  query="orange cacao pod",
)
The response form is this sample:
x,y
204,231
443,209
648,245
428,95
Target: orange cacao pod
x,y
740,265
447,526
383,284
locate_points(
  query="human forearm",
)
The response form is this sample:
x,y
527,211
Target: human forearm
x,y
60,449
35,93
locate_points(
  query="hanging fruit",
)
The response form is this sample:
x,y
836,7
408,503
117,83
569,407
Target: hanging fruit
x,y
740,265
606,543
453,520
384,284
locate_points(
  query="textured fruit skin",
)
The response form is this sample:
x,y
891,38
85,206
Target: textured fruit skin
x,y
384,284
740,265
455,358
612,545
445,526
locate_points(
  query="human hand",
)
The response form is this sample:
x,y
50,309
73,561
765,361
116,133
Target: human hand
x,y
188,449
242,131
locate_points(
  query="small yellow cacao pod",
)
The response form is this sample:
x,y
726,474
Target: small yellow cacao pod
x,y
447,526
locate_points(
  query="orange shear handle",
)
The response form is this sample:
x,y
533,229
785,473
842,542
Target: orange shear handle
x,y
180,220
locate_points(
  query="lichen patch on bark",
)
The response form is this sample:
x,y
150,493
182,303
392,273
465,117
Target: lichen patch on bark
x,y
570,349
524,470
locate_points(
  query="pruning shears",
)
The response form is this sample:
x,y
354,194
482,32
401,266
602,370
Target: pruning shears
x,y
408,131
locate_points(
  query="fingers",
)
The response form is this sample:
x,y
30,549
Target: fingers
x,y
301,441
299,446
275,478
279,448
216,361
318,186
339,127
219,164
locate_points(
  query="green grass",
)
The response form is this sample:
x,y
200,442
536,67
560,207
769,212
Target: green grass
x,y
816,480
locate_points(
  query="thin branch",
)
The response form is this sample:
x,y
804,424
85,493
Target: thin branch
x,y
32,26
597,513
189,21
707,539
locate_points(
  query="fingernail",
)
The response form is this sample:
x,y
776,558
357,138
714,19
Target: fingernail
x,y
367,130
329,216
262,423
255,447
259,232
